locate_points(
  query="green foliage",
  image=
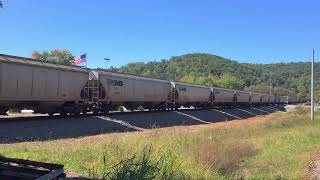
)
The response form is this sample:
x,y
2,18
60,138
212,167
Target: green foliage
x,y
260,88
231,82
138,167
225,81
55,55
222,157
204,80
206,69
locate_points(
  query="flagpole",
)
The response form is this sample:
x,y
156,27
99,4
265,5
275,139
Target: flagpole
x,y
86,60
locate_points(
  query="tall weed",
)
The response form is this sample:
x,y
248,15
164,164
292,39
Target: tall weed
x,y
222,157
144,166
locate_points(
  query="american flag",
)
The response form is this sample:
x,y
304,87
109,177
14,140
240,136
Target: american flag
x,y
80,59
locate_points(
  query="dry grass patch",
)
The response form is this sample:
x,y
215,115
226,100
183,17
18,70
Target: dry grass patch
x,y
222,157
289,119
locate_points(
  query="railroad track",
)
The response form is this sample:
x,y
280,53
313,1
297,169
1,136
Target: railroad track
x,y
17,117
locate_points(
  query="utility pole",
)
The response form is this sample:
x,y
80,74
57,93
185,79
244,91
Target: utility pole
x,y
106,59
312,86
270,92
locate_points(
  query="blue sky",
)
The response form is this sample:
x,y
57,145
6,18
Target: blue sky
x,y
144,30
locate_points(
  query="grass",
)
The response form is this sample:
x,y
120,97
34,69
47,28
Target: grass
x,y
277,148
221,157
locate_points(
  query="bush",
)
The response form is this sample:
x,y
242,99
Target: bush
x,y
139,167
290,119
221,157
300,110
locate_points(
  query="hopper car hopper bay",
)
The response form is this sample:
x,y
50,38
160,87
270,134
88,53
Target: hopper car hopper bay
x,y
72,90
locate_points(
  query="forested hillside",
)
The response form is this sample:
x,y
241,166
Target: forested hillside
x,y
199,68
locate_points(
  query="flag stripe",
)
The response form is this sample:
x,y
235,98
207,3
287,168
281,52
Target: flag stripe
x,y
81,59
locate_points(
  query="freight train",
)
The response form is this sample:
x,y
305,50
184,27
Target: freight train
x,y
71,90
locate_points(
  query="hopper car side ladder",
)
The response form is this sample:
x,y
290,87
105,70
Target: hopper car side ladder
x,y
94,91
212,97
173,95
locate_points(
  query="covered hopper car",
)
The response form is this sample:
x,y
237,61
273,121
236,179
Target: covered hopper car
x,y
130,91
255,98
45,87
192,95
223,97
242,97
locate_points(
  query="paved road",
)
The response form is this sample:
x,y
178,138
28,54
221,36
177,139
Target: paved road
x,y
42,128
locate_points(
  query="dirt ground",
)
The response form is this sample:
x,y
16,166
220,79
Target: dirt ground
x,y
313,169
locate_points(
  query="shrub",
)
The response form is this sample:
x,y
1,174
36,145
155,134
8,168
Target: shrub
x,y
139,167
297,116
300,110
222,157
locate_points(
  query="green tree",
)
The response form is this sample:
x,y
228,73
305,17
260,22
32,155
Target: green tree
x,y
260,88
225,81
188,79
231,82
55,55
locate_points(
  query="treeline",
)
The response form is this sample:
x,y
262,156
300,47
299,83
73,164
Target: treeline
x,y
206,69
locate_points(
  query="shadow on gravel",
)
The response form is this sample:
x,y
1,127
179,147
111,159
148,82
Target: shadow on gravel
x,y
43,128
